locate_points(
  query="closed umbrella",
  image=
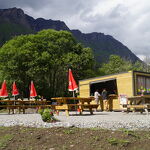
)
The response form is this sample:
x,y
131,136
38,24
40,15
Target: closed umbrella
x,y
14,89
72,83
32,90
3,91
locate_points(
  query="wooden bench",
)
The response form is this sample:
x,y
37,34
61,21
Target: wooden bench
x,y
144,107
22,108
81,107
13,107
21,105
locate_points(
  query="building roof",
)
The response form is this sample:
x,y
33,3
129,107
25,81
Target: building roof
x,y
113,75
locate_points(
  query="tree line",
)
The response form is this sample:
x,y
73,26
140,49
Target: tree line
x,y
45,58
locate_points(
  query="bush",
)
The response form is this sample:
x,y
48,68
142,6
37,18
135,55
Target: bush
x,y
40,111
47,115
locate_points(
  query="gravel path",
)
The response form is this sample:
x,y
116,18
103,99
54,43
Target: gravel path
x,y
109,120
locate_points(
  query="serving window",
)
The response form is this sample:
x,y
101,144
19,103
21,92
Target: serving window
x,y
109,85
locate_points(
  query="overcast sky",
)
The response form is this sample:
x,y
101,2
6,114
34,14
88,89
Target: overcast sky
x,y
126,20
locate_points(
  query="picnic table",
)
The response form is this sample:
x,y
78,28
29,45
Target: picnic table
x,y
21,105
139,103
74,103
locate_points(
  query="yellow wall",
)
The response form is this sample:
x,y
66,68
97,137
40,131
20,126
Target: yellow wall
x,y
125,83
84,90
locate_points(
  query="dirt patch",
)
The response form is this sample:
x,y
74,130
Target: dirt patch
x,y
21,138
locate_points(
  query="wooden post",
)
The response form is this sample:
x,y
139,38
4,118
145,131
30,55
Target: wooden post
x,y
67,112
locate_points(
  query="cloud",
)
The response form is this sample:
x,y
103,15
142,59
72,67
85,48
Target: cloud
x,y
126,20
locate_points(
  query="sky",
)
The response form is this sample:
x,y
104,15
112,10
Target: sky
x,y
126,20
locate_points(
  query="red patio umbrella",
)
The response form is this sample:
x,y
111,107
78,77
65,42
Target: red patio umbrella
x,y
14,89
32,90
3,91
72,83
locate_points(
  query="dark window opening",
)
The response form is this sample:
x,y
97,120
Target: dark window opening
x,y
110,86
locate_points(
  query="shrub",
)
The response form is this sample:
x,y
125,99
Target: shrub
x,y
40,111
47,115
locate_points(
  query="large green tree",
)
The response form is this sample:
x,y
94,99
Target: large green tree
x,y
44,58
116,65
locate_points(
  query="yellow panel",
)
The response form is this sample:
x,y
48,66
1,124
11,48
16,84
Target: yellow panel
x,y
125,84
61,107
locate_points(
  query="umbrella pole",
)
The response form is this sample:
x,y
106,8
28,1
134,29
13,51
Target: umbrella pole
x,y
75,102
14,104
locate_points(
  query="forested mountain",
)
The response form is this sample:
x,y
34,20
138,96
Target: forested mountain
x,y
14,21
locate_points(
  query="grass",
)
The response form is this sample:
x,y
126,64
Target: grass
x,y
147,136
96,138
69,131
3,128
22,148
4,140
94,129
21,138
130,133
115,141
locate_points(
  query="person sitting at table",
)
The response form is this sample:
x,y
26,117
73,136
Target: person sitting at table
x,y
104,95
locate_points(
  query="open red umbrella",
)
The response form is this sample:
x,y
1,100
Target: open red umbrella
x,y
3,91
72,83
32,90
14,89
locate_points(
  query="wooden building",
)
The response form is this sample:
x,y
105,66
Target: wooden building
x,y
129,83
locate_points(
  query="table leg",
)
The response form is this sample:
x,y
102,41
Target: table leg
x,y
67,112
23,110
90,108
134,103
91,111
19,110
8,111
146,110
80,110
57,112
101,105
13,111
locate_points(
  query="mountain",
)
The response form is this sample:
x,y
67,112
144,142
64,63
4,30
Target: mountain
x,y
14,21
104,46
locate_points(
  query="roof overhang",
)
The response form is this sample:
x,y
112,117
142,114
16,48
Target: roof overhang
x,y
100,81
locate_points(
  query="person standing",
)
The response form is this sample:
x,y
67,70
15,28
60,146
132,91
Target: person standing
x,y
96,96
105,99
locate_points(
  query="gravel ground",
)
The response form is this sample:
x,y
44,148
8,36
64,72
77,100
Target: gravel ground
x,y
108,120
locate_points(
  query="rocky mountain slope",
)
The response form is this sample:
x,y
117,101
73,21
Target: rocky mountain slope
x,y
14,21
